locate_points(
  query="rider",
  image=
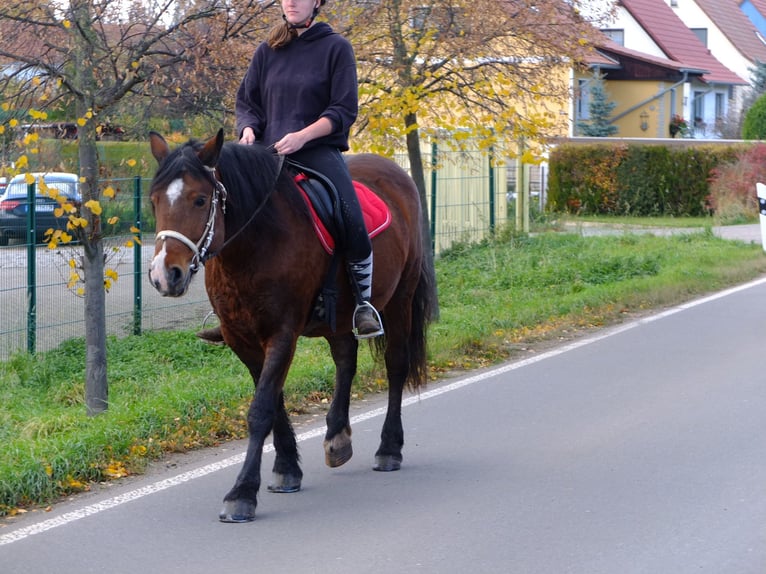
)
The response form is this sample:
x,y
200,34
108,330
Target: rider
x,y
299,96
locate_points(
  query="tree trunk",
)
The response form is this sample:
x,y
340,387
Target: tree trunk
x,y
418,175
96,387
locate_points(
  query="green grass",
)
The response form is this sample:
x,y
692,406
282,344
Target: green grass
x,y
170,392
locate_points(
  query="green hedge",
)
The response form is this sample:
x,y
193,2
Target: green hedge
x,y
628,179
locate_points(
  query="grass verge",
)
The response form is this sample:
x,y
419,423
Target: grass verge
x,y
170,392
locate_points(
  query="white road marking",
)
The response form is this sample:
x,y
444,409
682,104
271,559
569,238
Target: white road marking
x,y
179,479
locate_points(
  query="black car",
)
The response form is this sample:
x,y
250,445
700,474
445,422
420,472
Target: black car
x,y
14,205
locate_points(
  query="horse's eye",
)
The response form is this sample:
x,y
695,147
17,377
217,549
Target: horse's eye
x,y
200,202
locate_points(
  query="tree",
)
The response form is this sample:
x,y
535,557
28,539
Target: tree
x,y
496,72
90,55
600,108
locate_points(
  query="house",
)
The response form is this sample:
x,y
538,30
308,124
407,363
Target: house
x,y
657,67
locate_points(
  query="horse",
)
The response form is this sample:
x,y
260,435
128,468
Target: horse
x,y
237,210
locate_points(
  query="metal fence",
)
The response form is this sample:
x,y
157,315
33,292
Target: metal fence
x,y
467,198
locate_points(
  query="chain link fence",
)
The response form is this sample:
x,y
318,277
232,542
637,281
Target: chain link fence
x,y
467,193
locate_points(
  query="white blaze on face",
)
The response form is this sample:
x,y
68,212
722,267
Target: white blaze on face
x,y
174,190
157,274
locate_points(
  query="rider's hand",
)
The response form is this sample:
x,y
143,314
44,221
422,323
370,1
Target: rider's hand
x,y
248,136
290,143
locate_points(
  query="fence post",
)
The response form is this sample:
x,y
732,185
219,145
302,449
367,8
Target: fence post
x,y
760,190
491,190
434,163
31,268
137,260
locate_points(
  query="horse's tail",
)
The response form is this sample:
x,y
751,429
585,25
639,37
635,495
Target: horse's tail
x,y
422,309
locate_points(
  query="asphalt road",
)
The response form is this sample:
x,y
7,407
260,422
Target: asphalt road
x,y
638,449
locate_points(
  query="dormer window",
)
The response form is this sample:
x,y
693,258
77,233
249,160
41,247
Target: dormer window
x,y
616,35
701,33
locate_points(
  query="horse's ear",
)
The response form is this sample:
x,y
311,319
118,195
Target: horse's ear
x,y
210,152
160,149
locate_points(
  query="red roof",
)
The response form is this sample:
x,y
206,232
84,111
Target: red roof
x,y
759,5
737,27
677,41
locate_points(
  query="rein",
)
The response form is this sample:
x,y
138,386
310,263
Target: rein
x,y
201,248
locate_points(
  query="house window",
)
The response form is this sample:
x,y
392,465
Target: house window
x,y
720,106
699,106
449,21
615,35
583,100
701,33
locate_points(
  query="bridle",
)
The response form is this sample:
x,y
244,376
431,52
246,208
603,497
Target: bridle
x,y
201,249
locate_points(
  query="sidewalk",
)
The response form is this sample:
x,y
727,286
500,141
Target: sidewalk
x,y
748,233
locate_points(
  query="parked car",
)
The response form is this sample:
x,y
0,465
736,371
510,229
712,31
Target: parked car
x,y
14,205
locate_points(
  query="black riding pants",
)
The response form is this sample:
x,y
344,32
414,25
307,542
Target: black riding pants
x,y
329,161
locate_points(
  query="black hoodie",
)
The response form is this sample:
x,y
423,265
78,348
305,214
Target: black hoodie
x,y
286,89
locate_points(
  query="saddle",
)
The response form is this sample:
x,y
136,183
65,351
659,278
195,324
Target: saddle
x,y
322,199
323,202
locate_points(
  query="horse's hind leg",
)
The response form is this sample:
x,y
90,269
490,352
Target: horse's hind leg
x,y
287,474
337,443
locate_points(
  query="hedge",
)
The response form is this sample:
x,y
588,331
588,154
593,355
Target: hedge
x,y
635,179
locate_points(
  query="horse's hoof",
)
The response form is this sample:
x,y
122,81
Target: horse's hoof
x,y
338,450
284,483
237,511
387,463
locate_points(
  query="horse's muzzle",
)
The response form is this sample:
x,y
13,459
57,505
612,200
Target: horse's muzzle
x,y
169,280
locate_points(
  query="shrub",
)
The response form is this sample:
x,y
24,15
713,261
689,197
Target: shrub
x,y
732,186
754,124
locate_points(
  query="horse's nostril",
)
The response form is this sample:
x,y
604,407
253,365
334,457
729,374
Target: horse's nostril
x,y
175,275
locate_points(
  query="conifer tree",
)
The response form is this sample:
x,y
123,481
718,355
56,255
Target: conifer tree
x,y
600,108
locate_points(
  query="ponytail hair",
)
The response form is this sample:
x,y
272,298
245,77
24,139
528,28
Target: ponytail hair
x,y
281,35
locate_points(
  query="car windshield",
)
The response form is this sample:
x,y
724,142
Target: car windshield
x,y
19,188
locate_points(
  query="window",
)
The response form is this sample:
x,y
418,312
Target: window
x,y
720,106
583,100
701,33
699,106
616,35
449,21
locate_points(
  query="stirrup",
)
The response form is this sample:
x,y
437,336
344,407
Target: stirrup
x,y
376,315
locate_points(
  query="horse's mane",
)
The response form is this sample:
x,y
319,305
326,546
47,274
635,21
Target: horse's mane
x,y
249,174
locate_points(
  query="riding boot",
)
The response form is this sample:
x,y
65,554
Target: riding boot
x,y
212,336
366,322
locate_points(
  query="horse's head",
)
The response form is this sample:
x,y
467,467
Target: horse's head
x,y
188,202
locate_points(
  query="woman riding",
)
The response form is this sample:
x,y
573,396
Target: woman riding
x,y
299,96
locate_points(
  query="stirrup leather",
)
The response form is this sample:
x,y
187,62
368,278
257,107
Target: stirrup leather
x,y
377,318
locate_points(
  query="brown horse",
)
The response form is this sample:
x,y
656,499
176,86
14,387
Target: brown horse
x,y
236,209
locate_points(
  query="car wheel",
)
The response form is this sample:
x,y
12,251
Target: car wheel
x,y
3,239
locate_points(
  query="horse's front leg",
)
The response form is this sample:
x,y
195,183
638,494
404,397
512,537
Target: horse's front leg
x,y
264,413
337,442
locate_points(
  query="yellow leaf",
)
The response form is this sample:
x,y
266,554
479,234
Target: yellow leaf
x,y
80,122
113,220
67,24
109,192
58,212
72,263
13,123
29,179
94,206
111,273
131,162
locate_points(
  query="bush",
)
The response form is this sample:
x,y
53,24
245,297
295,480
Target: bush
x,y
754,124
635,179
732,186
